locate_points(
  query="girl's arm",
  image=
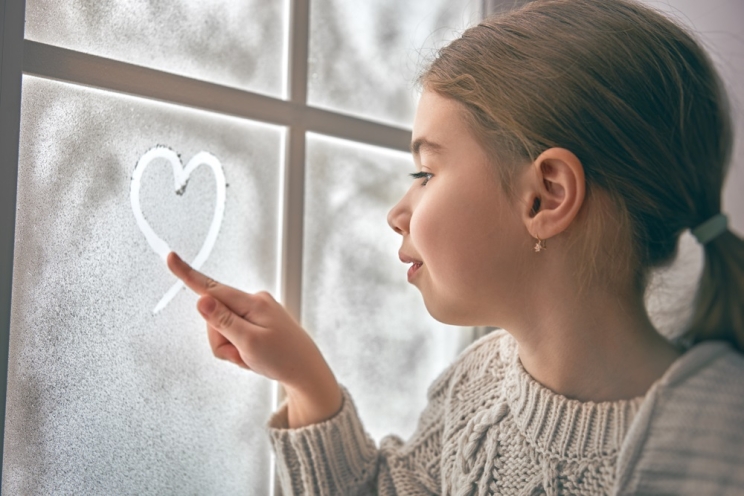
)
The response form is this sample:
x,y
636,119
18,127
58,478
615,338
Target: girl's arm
x,y
338,457
321,445
256,333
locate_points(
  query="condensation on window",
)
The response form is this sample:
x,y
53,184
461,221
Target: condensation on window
x,y
365,56
370,323
239,44
106,395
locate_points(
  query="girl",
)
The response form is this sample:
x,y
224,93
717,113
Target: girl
x,y
560,149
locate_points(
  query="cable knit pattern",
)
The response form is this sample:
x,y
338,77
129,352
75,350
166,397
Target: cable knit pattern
x,y
531,440
490,428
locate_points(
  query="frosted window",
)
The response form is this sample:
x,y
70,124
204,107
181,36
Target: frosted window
x,y
368,321
364,56
104,396
239,44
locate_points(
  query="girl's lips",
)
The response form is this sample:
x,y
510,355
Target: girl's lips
x,y
407,259
413,269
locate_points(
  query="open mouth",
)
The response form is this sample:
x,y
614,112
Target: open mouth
x,y
415,264
413,269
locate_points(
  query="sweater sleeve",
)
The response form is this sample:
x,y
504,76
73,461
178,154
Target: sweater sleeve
x,y
337,456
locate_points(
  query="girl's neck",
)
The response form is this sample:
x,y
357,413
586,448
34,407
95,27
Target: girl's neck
x,y
596,346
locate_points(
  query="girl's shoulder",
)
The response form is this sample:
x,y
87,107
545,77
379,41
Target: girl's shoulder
x,y
686,437
708,361
704,390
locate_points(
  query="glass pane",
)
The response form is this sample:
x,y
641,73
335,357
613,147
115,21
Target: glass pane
x,y
240,44
104,395
369,322
365,56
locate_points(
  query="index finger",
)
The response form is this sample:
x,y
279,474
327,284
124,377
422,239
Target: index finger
x,y
234,299
192,278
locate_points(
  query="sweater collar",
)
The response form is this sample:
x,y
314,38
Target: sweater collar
x,y
559,426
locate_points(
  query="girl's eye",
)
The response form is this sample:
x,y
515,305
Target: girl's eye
x,y
425,175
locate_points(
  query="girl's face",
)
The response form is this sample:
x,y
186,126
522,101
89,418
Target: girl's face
x,y
466,241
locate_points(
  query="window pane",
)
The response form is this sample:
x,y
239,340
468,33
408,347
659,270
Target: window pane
x,y
368,321
240,44
364,56
104,396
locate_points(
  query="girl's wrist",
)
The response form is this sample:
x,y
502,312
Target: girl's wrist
x,y
314,402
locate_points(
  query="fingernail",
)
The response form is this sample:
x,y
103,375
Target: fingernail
x,y
207,305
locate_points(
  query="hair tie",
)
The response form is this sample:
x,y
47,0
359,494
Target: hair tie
x,y
711,228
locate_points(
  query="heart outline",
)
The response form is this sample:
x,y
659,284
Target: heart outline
x,y
180,178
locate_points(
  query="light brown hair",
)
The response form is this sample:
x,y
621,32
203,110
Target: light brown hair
x,y
638,101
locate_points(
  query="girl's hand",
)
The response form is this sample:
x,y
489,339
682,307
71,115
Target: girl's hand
x,y
255,332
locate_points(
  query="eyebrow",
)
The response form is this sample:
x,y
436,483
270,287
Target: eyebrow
x,y
420,143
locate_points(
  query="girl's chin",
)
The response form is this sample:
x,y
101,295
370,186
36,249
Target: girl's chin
x,y
444,313
454,313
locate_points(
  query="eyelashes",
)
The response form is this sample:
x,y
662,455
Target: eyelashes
x,y
422,175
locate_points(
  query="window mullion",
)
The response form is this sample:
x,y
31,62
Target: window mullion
x,y
294,175
11,67
294,172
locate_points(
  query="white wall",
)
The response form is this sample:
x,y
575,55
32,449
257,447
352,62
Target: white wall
x,y
719,24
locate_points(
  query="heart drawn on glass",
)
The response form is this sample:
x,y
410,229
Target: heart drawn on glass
x,y
181,177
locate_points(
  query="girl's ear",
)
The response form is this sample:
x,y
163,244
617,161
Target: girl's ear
x,y
554,191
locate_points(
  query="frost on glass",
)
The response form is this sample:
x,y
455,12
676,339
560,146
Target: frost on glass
x,y
105,396
369,322
365,56
239,44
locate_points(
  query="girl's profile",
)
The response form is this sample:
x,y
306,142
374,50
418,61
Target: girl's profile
x,y
560,151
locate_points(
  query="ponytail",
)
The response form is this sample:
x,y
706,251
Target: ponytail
x,y
719,308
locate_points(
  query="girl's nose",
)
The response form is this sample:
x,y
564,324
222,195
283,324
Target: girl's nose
x,y
399,217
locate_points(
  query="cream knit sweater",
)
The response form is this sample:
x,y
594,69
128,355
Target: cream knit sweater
x,y
489,428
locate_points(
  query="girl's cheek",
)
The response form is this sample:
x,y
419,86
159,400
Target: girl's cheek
x,y
427,227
